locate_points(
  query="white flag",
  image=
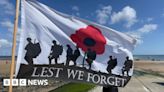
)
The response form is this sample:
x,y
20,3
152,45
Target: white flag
x,y
45,29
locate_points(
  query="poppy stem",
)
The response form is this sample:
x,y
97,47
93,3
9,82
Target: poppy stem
x,y
84,58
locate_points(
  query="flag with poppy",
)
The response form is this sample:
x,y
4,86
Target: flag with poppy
x,y
49,37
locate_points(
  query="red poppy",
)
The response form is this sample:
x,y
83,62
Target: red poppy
x,y
89,38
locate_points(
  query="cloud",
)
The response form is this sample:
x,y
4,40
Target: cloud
x,y
10,27
7,24
149,19
7,7
127,14
148,28
162,14
140,32
75,8
5,43
103,14
137,35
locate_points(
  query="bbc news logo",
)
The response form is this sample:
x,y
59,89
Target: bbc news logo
x,y
25,82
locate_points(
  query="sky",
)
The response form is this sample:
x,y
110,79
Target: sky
x,y
142,19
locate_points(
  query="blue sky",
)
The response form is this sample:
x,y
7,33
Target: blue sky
x,y
143,19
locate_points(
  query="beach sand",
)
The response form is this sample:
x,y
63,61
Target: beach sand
x,y
151,66
5,68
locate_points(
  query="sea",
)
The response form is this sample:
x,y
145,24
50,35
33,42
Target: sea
x,y
136,57
6,57
149,57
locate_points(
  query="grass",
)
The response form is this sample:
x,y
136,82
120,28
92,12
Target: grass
x,y
74,87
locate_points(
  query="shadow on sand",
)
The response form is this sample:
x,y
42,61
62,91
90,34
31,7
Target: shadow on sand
x,y
159,83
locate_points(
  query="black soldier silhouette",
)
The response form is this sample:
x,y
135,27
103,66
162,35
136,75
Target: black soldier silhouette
x,y
91,55
69,54
112,63
32,51
76,54
56,51
127,66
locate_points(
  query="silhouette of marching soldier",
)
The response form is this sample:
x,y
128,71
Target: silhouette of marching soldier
x,y
69,54
76,54
127,66
112,63
56,51
91,55
32,51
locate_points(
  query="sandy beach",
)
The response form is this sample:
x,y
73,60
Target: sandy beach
x,y
5,68
150,66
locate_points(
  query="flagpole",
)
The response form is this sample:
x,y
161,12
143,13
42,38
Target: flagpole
x,y
14,44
